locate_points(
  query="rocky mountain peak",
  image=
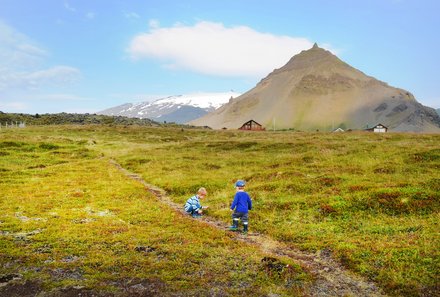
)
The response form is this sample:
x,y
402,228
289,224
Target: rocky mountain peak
x,y
319,61
315,90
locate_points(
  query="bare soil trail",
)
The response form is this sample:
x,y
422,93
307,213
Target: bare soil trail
x,y
331,279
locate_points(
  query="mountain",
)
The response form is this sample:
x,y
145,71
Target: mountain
x,y
438,111
178,109
316,90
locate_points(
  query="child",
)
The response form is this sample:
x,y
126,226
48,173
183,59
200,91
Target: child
x,y
241,205
193,206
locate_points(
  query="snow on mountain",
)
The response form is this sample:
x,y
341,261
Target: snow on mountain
x,y
202,100
179,108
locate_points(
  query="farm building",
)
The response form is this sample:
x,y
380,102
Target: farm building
x,y
379,128
251,125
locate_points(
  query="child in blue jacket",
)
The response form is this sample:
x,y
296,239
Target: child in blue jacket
x,y
240,206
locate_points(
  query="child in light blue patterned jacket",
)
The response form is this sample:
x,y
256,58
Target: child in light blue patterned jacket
x,y
193,206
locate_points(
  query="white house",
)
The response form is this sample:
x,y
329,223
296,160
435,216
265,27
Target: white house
x,y
379,128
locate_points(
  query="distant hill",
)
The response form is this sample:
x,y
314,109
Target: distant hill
x,y
178,109
316,90
70,118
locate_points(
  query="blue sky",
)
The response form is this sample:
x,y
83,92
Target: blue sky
x,y
89,55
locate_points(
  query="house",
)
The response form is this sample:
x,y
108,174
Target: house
x,y
379,128
251,125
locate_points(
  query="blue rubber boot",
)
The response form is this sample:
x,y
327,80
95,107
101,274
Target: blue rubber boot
x,y
234,226
245,228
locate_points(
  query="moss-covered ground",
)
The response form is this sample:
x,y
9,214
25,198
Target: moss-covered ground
x,y
68,218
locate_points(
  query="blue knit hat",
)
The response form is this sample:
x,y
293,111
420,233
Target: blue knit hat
x,y
240,183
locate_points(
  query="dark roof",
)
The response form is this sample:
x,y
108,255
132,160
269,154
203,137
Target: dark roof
x,y
381,125
372,128
250,121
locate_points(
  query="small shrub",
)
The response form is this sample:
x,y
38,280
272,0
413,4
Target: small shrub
x,y
397,202
48,146
6,144
431,155
137,161
282,205
210,166
326,209
328,181
39,166
277,269
433,184
358,188
384,170
230,145
308,159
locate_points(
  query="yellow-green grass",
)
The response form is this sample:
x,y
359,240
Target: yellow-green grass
x,y
373,200
69,218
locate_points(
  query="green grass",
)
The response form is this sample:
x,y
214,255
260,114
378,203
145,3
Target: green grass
x,y
75,220
373,200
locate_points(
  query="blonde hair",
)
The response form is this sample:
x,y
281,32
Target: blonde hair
x,y
202,191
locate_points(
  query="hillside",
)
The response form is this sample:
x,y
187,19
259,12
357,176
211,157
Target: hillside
x,y
315,90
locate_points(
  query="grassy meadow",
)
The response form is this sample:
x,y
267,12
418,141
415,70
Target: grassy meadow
x,y
70,219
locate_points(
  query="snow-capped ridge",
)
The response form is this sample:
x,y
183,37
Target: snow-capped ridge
x,y
202,100
176,108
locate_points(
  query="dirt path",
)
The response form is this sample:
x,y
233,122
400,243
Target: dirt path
x,y
331,278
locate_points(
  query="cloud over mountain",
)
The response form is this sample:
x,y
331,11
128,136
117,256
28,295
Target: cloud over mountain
x,y
213,49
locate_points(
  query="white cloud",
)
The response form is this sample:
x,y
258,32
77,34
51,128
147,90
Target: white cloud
x,y
14,106
17,50
211,48
62,97
21,62
68,7
46,103
154,24
90,15
58,75
131,15
55,75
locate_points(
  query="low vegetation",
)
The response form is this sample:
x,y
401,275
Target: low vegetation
x,y
15,119
69,219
